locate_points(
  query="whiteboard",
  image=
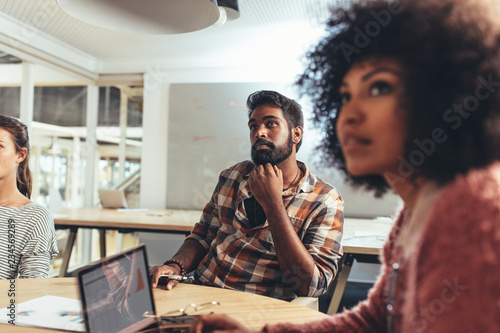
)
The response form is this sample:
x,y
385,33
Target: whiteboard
x,y
208,132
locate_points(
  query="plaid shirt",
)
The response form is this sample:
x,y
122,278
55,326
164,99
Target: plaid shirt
x,y
244,258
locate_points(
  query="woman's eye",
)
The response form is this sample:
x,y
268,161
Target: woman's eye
x,y
380,88
344,98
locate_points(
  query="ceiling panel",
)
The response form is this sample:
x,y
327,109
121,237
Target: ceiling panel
x,y
265,28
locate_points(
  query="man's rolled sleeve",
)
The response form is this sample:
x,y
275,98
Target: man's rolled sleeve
x,y
206,230
323,240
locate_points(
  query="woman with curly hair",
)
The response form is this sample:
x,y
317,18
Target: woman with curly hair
x,y
27,235
408,93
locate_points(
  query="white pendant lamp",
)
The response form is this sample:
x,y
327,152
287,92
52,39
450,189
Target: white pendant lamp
x,y
231,7
155,17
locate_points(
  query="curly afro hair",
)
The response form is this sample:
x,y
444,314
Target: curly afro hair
x,y
451,52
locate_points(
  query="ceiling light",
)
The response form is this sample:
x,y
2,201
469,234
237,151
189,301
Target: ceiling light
x,y
222,17
231,7
145,16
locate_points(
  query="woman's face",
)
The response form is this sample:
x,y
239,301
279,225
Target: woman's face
x,y
9,157
371,125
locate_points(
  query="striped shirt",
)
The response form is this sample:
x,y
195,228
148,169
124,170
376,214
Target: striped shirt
x,y
27,241
244,258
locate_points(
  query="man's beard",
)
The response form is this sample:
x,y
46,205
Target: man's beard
x,y
274,155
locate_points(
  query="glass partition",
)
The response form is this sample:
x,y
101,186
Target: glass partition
x,y
120,129
58,143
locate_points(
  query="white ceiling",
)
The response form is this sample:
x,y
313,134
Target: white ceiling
x,y
269,32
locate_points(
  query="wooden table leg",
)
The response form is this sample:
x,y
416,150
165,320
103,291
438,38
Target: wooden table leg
x,y
67,251
102,242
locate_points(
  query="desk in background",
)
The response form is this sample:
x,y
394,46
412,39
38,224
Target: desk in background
x,y
252,310
363,238
162,221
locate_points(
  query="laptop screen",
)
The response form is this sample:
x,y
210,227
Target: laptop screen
x,y
112,198
116,293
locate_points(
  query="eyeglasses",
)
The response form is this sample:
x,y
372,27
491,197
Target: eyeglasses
x,y
191,309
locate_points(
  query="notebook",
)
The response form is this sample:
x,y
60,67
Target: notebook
x,y
112,198
116,295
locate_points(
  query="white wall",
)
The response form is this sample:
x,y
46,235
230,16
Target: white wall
x,y
155,119
155,142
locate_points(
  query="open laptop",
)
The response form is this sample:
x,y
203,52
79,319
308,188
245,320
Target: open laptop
x,y
112,198
116,295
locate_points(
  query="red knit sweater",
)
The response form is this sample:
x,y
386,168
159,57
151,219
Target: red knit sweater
x,y
451,280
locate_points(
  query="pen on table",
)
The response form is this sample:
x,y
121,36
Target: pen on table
x,y
175,277
71,313
151,214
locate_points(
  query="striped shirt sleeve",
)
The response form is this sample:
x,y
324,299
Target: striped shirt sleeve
x,y
28,252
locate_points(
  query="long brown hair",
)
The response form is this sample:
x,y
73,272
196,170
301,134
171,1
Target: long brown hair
x,y
19,134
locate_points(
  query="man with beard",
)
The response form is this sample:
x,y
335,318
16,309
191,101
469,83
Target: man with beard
x,y
271,227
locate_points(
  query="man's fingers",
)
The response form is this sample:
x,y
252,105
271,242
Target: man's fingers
x,y
154,276
278,171
262,170
269,167
258,169
171,284
157,271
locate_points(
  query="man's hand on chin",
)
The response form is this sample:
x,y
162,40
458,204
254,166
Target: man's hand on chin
x,y
266,184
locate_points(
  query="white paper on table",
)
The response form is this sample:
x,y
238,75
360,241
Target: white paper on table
x,y
48,311
365,233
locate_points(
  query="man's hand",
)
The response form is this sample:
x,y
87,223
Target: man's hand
x,y
217,323
165,269
266,184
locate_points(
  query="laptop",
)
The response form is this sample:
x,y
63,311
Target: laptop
x,y
116,295
112,198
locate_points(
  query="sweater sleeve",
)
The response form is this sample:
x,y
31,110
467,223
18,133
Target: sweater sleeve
x,y
459,290
368,316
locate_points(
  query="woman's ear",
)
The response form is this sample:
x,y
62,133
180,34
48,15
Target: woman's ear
x,y
21,155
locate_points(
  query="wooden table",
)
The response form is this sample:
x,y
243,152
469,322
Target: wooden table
x,y
166,221
363,240
252,310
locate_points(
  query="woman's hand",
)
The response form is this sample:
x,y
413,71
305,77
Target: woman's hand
x,y
217,323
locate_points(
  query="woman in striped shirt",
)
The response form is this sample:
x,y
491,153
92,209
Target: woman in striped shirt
x,y
27,235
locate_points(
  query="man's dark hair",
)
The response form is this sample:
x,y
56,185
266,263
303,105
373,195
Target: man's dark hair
x,y
291,109
450,51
